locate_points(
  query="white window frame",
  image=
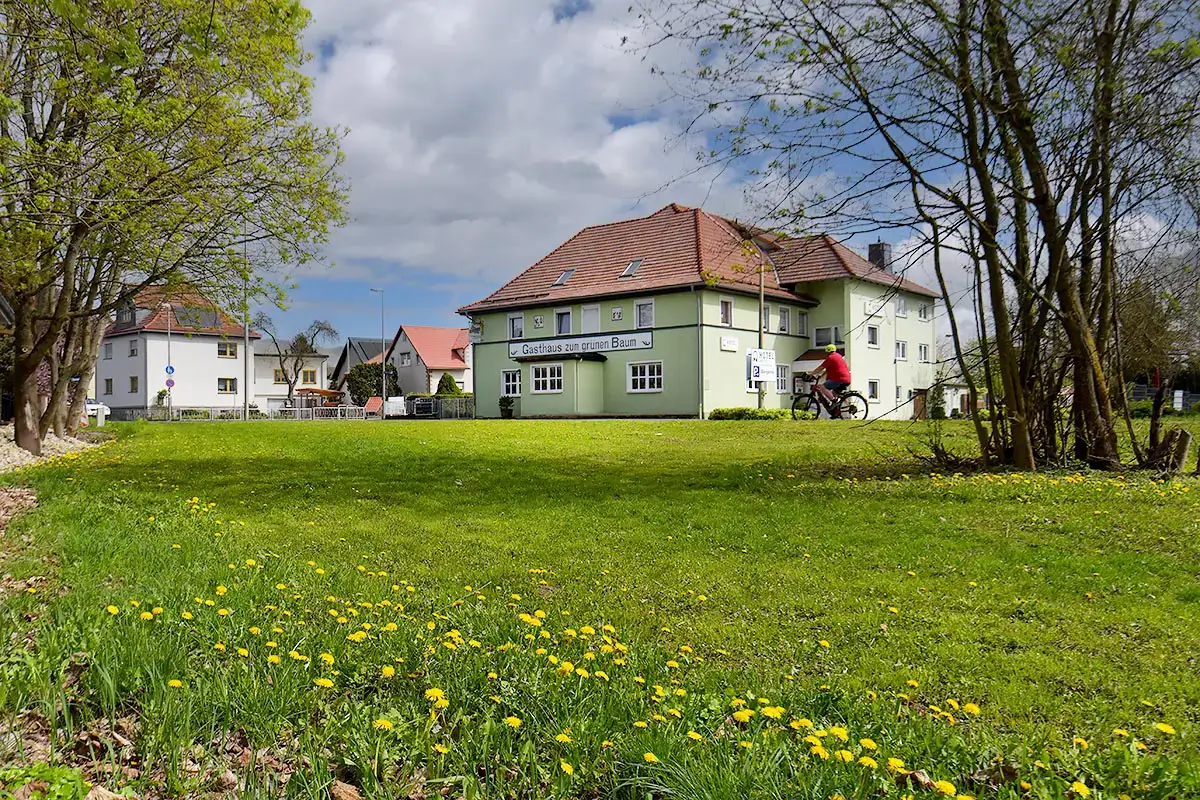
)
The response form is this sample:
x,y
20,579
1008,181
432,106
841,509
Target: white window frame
x,y
108,386
637,313
873,382
901,350
406,359
901,306
108,351
133,347
835,332
923,312
784,324
923,353
721,311
634,366
232,384
802,323
766,317
513,318
504,382
873,329
547,380
783,379
570,321
583,314
231,350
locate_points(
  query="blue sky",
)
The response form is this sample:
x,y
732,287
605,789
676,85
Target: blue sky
x,y
481,136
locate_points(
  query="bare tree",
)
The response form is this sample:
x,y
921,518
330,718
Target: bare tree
x,y
296,353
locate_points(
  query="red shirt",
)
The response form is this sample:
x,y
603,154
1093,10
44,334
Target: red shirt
x,y
836,368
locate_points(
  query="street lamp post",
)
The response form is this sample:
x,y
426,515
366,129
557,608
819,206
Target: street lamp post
x,y
170,374
382,354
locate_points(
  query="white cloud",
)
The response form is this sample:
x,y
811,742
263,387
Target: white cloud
x,y
484,133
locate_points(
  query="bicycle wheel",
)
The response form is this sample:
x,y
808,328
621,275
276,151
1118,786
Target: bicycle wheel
x,y
853,406
803,403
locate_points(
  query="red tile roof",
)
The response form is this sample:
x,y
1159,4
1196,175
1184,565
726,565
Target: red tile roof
x,y
438,348
823,258
679,248
190,313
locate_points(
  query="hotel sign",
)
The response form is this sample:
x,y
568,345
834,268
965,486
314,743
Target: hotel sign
x,y
579,345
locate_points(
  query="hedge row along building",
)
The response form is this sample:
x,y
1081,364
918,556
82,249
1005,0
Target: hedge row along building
x,y
654,317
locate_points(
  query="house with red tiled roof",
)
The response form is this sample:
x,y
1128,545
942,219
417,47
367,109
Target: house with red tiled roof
x,y
657,316
422,354
177,335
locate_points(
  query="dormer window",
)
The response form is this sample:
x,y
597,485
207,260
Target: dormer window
x,y
124,315
566,276
632,269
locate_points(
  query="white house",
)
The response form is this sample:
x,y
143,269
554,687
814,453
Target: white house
x,y
204,348
422,354
270,380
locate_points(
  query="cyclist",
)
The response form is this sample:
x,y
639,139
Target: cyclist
x,y
836,372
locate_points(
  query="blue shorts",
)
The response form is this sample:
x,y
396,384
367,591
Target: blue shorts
x,y
836,386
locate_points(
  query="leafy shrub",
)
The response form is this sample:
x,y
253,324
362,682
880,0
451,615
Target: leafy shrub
x,y
54,783
1144,409
749,413
363,382
448,387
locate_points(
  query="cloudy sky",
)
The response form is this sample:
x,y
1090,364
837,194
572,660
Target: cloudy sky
x,y
482,134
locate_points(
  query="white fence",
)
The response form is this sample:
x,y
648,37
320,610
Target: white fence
x,y
235,414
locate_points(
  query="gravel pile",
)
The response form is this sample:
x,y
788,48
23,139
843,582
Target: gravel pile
x,y
12,456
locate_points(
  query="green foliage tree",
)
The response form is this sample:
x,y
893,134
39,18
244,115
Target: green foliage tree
x,y
447,386
362,381
148,143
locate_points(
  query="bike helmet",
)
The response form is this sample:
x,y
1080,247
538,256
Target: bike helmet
x,y
831,348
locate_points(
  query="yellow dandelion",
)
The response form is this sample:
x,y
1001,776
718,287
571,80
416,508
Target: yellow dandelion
x,y
774,712
839,732
743,715
513,722
566,768
562,738
1163,727
273,659
971,708
388,672
383,725
113,610
441,748
868,762
327,659
1080,788
945,787
145,615
895,764
695,737
324,683
650,758
868,744
175,683
745,744
844,755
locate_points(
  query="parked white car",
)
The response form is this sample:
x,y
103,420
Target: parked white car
x,y
92,407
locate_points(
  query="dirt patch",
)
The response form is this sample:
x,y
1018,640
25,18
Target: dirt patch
x,y
13,457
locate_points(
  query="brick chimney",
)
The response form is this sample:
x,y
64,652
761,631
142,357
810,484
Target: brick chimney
x,y
880,254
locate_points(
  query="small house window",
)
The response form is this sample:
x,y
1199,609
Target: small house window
x,y
107,351
108,385
785,319
280,377
632,269
516,326
802,323
547,378
308,376
564,277
562,322
901,306
827,336
644,312
766,317
226,385
781,379
226,349
873,390
923,311
133,384
125,316
923,353
510,383
406,359
645,376
901,351
133,347
727,313
873,336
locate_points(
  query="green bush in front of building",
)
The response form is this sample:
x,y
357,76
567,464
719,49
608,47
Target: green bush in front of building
x,y
749,413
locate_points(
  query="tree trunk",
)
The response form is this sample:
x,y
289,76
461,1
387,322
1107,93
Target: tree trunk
x,y
27,410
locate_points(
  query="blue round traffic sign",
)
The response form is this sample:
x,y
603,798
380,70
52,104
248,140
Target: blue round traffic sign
x,y
170,370
170,383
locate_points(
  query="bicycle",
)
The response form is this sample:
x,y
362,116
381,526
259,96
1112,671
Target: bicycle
x,y
846,404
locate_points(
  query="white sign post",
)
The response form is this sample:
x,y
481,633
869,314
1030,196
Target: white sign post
x,y
762,365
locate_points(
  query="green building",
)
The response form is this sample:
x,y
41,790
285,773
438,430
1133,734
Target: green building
x,y
655,317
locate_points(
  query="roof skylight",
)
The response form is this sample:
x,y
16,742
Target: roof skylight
x,y
566,276
632,269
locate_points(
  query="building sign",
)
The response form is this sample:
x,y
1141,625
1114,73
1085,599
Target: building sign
x,y
539,321
616,314
579,345
762,365
476,333
729,344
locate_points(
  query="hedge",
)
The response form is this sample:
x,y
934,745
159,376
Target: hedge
x,y
749,413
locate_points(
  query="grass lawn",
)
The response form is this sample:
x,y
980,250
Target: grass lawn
x,y
991,630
